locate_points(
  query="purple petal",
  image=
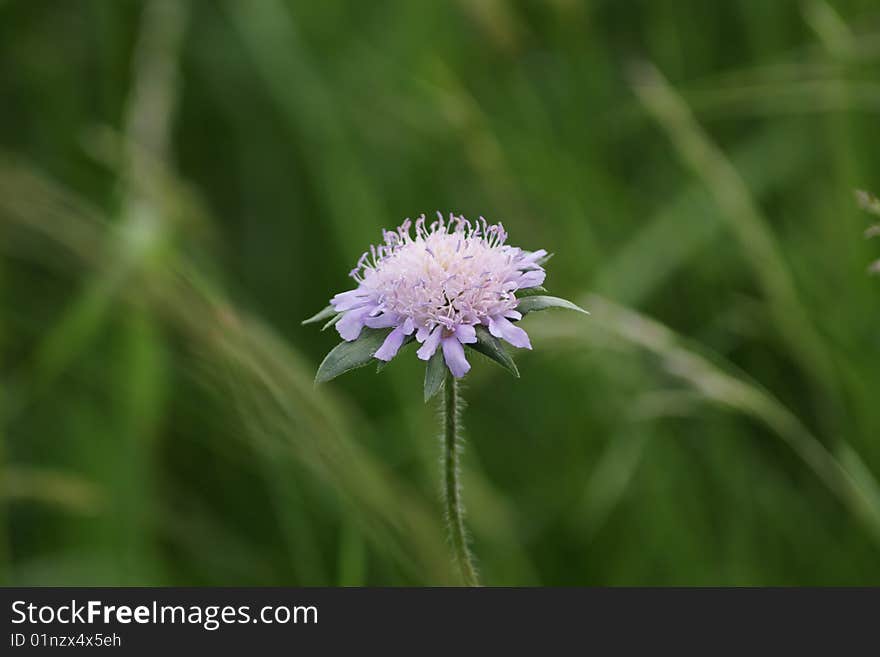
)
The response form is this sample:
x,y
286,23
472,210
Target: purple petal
x,y
534,255
513,314
453,353
392,345
532,278
351,323
430,345
350,300
501,327
466,334
385,320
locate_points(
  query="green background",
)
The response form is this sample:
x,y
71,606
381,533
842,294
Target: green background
x,y
181,183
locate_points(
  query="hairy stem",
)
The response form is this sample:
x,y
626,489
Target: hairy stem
x,y
454,506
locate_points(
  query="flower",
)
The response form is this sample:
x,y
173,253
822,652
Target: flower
x,y
438,282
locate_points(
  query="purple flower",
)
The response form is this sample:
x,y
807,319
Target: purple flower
x,y
438,282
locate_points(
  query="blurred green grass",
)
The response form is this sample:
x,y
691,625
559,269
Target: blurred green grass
x,y
181,183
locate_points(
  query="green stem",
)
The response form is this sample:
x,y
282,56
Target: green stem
x,y
454,506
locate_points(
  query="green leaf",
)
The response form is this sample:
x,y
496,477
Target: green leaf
x,y
326,313
347,356
332,321
543,302
435,374
530,291
491,347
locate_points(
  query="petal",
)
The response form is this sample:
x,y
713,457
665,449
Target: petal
x,y
392,345
384,320
408,326
351,323
430,345
532,278
350,300
534,255
466,334
501,327
453,353
513,314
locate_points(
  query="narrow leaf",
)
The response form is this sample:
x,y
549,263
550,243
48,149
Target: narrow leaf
x,y
491,347
332,321
542,302
326,313
531,291
435,374
347,356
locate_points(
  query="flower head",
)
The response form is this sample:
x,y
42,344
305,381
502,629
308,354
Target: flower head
x,y
438,282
